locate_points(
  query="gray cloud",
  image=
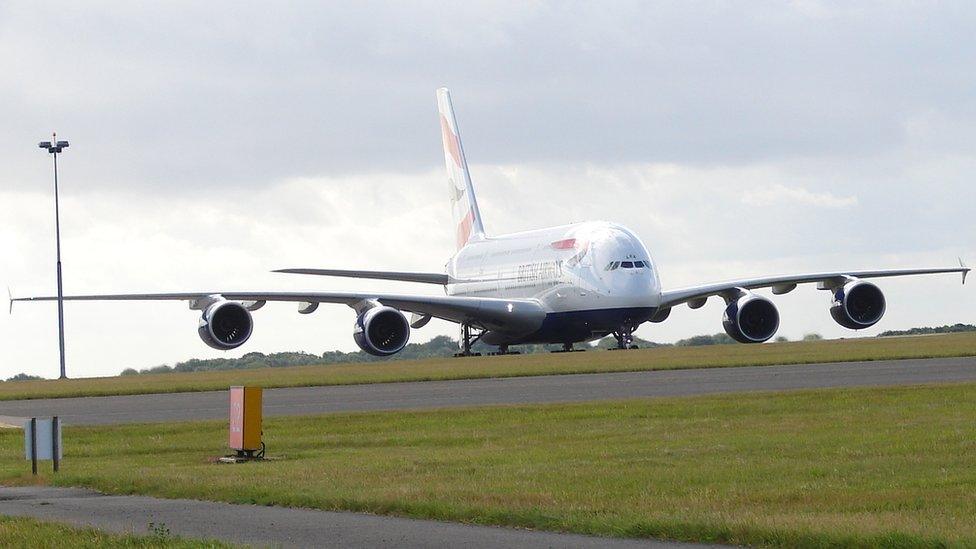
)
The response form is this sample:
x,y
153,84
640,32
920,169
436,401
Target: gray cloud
x,y
227,95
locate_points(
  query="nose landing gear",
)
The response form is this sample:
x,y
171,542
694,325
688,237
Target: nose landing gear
x,y
625,337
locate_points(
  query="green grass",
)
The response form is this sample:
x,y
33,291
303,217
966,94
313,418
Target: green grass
x,y
30,534
853,467
662,358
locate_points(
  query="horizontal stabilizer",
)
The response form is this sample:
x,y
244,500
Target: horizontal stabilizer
x,y
425,278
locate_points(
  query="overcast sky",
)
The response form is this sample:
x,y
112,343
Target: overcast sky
x,y
213,142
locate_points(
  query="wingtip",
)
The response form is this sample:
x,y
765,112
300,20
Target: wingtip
x,y
10,302
965,270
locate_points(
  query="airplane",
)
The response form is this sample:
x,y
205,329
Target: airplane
x,y
559,285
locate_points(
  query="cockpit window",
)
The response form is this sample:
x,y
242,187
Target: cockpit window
x,y
614,265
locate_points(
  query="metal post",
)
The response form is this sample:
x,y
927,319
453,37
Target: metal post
x,y
33,444
57,230
54,147
55,424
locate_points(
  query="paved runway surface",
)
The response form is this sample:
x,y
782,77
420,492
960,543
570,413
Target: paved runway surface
x,y
518,390
278,526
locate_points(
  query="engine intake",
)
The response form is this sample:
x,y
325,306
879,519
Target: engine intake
x,y
225,325
751,319
381,331
858,305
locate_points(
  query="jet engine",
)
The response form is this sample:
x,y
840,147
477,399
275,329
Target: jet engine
x,y
751,319
857,305
225,325
381,331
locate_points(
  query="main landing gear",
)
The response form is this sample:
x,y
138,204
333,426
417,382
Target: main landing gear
x,y
568,348
503,350
471,336
625,338
467,340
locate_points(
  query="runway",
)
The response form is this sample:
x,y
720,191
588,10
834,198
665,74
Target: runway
x,y
501,391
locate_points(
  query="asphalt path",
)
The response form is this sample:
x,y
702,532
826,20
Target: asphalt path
x,y
280,526
500,391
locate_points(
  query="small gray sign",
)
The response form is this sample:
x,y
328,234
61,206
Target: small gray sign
x,y
45,439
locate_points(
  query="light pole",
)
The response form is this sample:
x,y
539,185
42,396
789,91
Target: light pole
x,y
54,147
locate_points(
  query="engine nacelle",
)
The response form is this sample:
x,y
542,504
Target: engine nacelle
x,y
225,325
857,305
661,315
751,319
381,331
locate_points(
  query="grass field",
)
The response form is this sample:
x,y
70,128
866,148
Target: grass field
x,y
30,534
858,467
661,358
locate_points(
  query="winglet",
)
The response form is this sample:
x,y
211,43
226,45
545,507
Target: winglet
x,y
965,270
10,300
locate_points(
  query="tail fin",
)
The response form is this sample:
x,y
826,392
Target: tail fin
x,y
467,217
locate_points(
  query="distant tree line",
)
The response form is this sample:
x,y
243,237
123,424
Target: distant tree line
x,y
444,346
24,377
438,347
714,339
955,328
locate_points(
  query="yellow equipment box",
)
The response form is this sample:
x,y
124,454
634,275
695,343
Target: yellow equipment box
x,y
245,419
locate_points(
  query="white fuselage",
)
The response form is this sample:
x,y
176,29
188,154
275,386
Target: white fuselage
x,y
578,267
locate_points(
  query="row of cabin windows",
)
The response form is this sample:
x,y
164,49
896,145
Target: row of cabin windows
x,y
614,265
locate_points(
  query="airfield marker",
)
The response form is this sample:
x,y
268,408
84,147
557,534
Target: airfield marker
x,y
244,432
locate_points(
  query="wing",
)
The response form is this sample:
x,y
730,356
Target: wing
x,y
695,296
508,315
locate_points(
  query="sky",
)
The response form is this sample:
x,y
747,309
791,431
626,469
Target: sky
x,y
214,142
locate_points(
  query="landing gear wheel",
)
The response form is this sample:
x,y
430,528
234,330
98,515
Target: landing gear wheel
x,y
503,350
